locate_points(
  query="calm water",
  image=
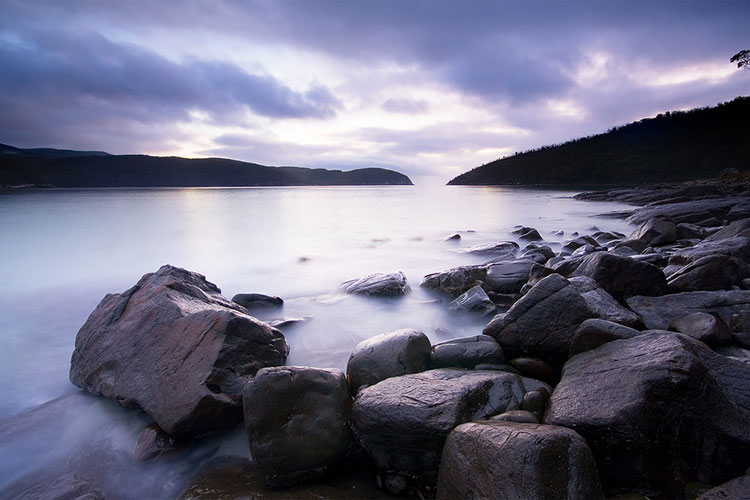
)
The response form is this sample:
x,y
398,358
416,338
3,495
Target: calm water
x,y
62,250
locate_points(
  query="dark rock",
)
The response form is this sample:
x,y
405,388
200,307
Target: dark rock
x,y
466,352
659,410
257,300
537,252
636,246
572,245
687,231
455,281
568,266
624,252
655,232
689,211
530,234
402,422
740,322
453,237
297,421
535,402
499,248
497,367
474,299
286,322
595,332
708,328
586,249
739,248
734,352
655,259
737,228
173,346
542,323
536,369
606,236
388,355
387,285
715,272
508,276
520,416
152,443
537,273
622,277
503,460
657,312
735,488
742,339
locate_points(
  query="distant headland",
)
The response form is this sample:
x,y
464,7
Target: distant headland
x,y
61,168
672,147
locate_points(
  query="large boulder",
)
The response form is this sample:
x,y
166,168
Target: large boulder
x,y
297,422
737,228
402,422
502,460
655,232
622,277
595,332
388,285
388,355
657,312
713,272
659,410
739,248
542,323
473,300
466,352
174,347
508,276
455,281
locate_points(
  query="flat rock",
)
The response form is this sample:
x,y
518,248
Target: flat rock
x,y
508,276
713,272
688,211
174,347
455,281
475,299
388,355
388,285
622,277
297,422
402,422
658,312
739,248
498,248
466,352
542,323
659,410
503,460
737,228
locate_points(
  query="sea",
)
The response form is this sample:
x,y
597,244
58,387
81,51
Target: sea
x,y
61,251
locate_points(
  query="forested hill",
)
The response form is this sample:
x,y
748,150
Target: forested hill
x,y
88,169
672,147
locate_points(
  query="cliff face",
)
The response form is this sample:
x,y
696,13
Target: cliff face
x,y
88,169
673,147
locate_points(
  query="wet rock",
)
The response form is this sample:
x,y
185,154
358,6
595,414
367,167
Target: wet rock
x,y
535,402
742,339
737,353
622,277
568,266
453,237
595,332
739,248
402,422
714,272
257,300
737,228
606,236
657,312
708,328
536,369
687,231
690,211
152,443
297,422
466,352
655,232
286,322
636,246
474,299
455,281
501,460
528,234
388,355
587,249
508,276
537,252
497,367
520,416
174,347
542,323
740,322
387,285
497,249
572,245
659,410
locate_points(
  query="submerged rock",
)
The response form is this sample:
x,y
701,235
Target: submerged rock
x,y
503,460
501,248
378,284
455,281
174,347
257,300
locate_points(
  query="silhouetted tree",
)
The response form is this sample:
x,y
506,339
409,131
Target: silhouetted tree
x,y
742,58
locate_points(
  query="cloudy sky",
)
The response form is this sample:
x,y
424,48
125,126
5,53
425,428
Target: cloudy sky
x,y
430,88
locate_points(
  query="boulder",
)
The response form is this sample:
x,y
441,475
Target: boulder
x,y
297,422
257,300
502,460
455,281
595,332
402,422
607,236
174,347
655,232
520,416
735,352
659,410
537,252
387,285
501,248
689,211
466,352
152,443
537,369
622,277
542,323
388,355
636,246
737,228
739,248
708,328
571,246
740,322
735,488
657,312
713,272
475,299
687,231
535,402
508,276
527,233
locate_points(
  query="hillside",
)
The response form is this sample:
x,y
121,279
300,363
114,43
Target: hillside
x,y
672,147
89,169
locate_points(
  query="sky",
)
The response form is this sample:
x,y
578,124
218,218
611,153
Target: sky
x,y
429,88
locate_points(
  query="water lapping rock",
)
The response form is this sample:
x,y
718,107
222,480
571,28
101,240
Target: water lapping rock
x,y
392,284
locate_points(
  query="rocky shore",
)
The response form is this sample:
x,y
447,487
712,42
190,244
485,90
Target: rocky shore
x,y
614,365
